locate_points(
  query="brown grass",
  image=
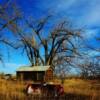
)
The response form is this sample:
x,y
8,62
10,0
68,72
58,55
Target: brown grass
x,y
75,89
88,88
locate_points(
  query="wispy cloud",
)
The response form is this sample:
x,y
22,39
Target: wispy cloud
x,y
93,53
13,65
64,5
83,12
90,33
91,15
10,67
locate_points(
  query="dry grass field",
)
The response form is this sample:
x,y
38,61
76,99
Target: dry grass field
x,y
75,89
83,89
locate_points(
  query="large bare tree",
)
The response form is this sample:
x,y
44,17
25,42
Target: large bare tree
x,y
44,40
46,47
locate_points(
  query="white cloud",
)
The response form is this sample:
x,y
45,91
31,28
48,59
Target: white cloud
x,y
90,33
92,53
91,15
13,64
10,67
83,12
64,5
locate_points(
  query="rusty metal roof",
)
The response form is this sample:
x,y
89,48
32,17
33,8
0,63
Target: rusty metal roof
x,y
33,68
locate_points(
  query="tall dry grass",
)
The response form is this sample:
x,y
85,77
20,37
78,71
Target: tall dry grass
x,y
11,89
75,89
81,89
88,88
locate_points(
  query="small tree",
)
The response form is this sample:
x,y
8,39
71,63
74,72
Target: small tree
x,y
90,68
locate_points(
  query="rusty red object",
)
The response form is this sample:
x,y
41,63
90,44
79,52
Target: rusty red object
x,y
46,89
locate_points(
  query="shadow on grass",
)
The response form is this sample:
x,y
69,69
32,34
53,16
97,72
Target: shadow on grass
x,y
70,96
67,96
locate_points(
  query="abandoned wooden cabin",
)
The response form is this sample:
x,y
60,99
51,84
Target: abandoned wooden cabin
x,y
35,73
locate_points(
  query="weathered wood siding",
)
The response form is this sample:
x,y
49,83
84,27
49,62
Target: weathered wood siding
x,y
49,75
35,75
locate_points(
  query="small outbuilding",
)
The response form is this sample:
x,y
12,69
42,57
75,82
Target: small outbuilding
x,y
7,76
35,73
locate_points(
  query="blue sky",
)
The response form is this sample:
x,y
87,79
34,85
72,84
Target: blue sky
x,y
83,14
